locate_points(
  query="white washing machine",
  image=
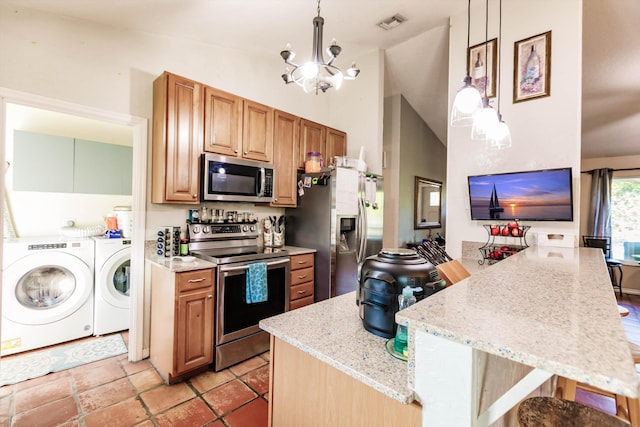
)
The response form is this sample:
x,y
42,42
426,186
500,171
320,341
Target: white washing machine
x,y
112,282
47,292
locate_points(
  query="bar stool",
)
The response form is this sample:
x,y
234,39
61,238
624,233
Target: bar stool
x,y
613,265
554,412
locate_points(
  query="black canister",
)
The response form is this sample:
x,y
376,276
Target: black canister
x,y
382,278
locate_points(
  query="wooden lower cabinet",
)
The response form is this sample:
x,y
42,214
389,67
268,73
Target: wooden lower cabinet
x,y
305,391
181,322
302,283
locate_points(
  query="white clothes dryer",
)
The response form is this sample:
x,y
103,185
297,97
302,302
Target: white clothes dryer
x,y
47,292
112,281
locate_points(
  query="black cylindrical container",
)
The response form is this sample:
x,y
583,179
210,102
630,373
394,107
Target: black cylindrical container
x,y
382,278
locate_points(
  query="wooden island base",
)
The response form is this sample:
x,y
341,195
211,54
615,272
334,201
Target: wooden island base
x,y
305,391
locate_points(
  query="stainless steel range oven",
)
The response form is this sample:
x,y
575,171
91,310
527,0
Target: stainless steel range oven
x,y
234,246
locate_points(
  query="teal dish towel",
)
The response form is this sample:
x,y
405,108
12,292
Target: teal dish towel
x,y
257,283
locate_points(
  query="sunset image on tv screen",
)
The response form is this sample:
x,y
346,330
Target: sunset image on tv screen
x,y
536,195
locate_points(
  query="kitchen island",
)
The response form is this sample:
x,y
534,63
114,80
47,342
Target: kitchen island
x,y
477,347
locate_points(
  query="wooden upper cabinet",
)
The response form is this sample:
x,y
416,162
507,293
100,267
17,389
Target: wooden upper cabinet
x,y
176,139
285,141
222,122
237,127
336,145
312,138
257,132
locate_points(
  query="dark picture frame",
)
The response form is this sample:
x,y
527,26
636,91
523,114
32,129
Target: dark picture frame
x,y
427,203
478,70
532,68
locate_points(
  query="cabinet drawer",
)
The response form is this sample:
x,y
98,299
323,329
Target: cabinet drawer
x,y
301,276
196,279
301,291
300,302
301,261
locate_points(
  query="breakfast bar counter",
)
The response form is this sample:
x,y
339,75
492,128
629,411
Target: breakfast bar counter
x,y
550,309
476,348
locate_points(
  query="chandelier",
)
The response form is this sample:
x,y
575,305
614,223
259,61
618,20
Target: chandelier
x,y
317,74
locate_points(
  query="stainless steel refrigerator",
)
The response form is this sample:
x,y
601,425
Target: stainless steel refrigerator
x,y
329,218
371,215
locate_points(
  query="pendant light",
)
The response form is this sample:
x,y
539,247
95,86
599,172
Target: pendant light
x,y
317,74
500,138
467,100
485,119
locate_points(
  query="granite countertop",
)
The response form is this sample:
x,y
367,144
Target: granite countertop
x,y
294,250
178,264
332,332
549,308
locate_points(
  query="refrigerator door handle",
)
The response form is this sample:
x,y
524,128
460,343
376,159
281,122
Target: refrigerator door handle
x,y
361,231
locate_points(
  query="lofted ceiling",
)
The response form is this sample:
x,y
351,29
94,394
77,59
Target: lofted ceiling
x,y
611,56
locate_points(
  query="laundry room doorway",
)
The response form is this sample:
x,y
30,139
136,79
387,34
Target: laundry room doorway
x,y
134,129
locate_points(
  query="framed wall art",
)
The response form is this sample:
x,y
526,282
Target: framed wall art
x,y
479,56
532,68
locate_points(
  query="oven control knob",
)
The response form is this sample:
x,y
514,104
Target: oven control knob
x,y
196,229
205,229
253,227
245,228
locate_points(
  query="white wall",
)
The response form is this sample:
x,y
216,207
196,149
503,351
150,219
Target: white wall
x,y
113,69
413,150
545,131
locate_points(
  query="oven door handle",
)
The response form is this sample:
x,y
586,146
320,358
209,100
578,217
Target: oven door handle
x,y
246,266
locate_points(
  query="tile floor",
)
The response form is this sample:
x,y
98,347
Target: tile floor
x,y
115,392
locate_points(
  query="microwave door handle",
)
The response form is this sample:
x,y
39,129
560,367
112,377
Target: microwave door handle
x,y
262,183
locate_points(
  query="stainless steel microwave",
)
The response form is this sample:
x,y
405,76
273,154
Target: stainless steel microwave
x,y
231,179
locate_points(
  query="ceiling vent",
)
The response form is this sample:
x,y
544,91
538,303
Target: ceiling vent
x,y
392,22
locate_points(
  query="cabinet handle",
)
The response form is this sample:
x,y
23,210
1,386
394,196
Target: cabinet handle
x,y
302,292
246,152
302,262
235,151
209,296
302,277
195,196
196,280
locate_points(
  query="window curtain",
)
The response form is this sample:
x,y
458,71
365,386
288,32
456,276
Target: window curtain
x,y
600,207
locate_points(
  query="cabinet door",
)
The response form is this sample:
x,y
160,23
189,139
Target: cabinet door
x,y
312,138
285,141
194,330
177,139
336,145
222,122
257,131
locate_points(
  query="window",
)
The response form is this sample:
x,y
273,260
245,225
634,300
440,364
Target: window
x,y
625,217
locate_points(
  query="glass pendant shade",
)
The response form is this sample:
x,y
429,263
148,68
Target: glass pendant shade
x,y
484,123
500,138
465,105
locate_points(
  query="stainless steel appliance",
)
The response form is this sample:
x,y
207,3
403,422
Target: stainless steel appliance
x,y
326,219
371,215
234,246
238,180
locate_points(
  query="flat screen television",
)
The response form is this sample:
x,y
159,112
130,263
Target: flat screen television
x,y
541,195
